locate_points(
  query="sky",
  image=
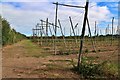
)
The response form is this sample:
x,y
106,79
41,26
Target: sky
x,y
23,15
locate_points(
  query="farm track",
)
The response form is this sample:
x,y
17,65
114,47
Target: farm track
x,y
20,61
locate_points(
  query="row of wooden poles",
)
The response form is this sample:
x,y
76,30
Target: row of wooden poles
x,y
46,24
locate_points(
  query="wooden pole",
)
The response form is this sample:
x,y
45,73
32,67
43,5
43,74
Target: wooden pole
x,y
78,32
117,31
56,18
47,27
55,26
70,31
72,28
69,5
95,29
95,33
62,32
50,31
112,30
41,31
82,35
51,35
100,32
36,31
47,32
33,33
91,35
108,30
72,6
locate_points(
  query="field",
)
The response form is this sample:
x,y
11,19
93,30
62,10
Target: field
x,y
67,39
30,59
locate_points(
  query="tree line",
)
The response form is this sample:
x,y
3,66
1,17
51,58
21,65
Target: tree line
x,y
9,35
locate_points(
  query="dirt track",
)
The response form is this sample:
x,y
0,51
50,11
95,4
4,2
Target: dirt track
x,y
20,62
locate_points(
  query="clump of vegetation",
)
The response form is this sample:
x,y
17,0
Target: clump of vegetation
x,y
9,35
61,52
86,50
99,50
89,69
46,48
37,56
93,51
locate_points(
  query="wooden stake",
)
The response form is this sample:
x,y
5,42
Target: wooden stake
x,y
41,31
62,32
72,28
82,35
91,35
47,27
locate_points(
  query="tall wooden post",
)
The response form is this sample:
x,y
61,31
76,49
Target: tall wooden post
x,y
117,31
41,31
78,32
36,31
51,35
56,18
72,28
70,31
33,34
82,35
108,32
100,32
91,35
62,32
47,27
95,32
55,26
112,30
95,29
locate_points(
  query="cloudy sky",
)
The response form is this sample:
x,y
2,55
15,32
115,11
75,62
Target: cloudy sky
x,y
23,15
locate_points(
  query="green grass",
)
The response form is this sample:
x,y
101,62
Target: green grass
x,y
33,50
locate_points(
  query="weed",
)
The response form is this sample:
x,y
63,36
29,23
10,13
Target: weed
x,y
46,48
37,56
86,50
63,53
99,50
93,51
